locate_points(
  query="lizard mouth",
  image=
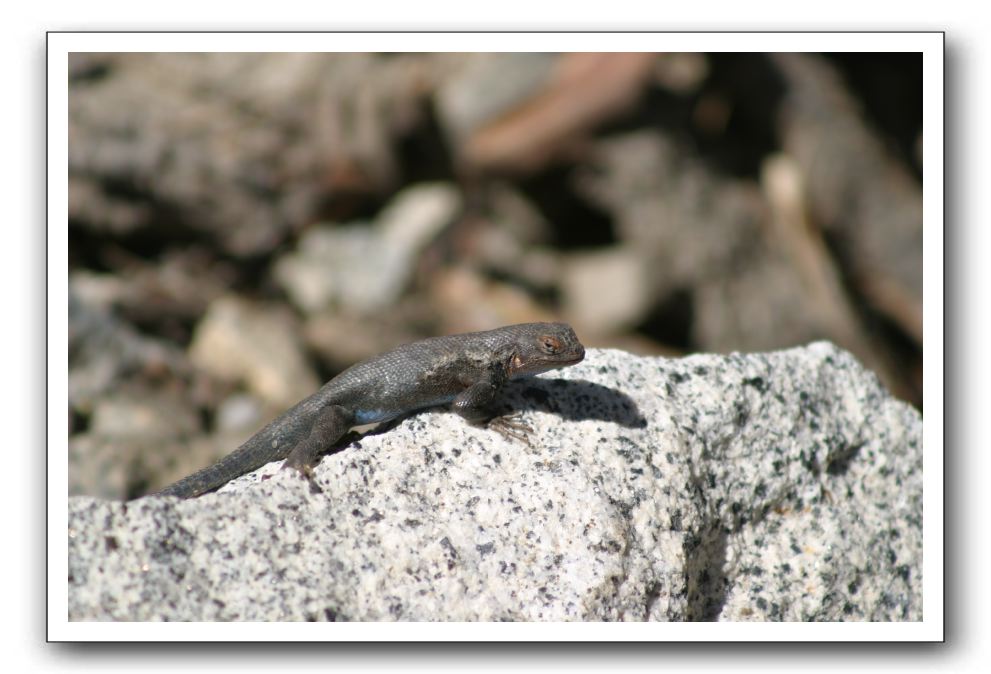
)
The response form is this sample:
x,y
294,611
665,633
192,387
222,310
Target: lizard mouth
x,y
573,359
520,369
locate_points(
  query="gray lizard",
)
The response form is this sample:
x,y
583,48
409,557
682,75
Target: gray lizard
x,y
464,371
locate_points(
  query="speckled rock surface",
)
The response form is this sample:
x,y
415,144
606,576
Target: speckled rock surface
x,y
780,486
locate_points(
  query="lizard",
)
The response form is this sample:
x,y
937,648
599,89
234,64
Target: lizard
x,y
465,371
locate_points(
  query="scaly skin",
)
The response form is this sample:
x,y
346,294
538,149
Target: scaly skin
x,y
464,371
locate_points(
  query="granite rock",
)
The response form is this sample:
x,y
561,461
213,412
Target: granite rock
x,y
776,486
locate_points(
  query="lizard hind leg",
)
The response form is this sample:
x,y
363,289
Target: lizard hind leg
x,y
329,427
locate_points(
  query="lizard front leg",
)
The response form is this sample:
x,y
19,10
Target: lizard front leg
x,y
475,404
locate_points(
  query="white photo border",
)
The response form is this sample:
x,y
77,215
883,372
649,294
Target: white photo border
x,y
929,44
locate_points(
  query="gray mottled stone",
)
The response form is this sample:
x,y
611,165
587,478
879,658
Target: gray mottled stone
x,y
780,486
366,267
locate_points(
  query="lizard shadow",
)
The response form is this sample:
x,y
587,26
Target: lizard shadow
x,y
573,400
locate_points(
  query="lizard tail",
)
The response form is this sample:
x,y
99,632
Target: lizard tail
x,y
250,456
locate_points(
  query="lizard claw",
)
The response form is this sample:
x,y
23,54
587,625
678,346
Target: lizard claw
x,y
512,427
303,469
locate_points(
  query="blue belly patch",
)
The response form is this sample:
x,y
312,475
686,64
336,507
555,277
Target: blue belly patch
x,y
362,417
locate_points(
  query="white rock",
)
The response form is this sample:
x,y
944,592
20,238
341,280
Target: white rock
x,y
255,344
607,290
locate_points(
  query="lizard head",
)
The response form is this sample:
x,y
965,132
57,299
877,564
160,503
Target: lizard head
x,y
543,347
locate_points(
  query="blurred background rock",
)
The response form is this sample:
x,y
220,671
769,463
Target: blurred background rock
x,y
244,226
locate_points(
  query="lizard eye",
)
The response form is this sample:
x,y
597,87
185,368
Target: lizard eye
x,y
551,344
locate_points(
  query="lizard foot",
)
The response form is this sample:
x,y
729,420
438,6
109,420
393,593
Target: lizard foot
x,y
305,471
512,427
